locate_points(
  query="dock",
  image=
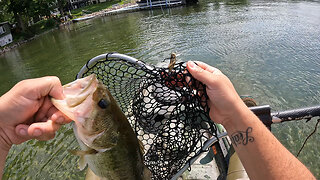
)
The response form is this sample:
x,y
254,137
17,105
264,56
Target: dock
x,y
131,7
149,4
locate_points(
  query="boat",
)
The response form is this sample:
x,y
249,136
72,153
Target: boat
x,y
82,18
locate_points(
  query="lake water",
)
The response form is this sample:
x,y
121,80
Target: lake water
x,y
269,50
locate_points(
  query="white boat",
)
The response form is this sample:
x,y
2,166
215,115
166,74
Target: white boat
x,y
82,18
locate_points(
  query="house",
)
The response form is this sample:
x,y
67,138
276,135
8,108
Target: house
x,y
5,34
75,4
97,1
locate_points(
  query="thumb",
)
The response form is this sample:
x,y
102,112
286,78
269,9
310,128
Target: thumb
x,y
41,87
203,72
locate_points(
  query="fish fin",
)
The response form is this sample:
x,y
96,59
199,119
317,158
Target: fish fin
x,y
141,146
88,140
91,176
82,163
83,153
103,150
146,173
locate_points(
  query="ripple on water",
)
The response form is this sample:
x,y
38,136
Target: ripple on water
x,y
269,50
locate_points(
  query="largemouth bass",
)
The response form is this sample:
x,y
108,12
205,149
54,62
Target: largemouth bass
x,y
109,145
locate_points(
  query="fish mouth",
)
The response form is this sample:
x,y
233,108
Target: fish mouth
x,y
76,102
77,91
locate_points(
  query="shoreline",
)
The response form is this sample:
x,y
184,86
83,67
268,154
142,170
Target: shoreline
x,y
117,9
14,45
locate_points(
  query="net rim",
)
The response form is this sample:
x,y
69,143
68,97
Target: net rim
x,y
103,57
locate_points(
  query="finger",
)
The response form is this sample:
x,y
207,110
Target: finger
x,y
206,66
44,86
43,110
211,110
58,117
22,132
53,110
45,127
41,130
203,72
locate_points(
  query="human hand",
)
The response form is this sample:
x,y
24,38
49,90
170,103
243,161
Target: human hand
x,y
26,111
224,102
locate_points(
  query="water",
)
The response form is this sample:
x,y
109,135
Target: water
x,y
269,50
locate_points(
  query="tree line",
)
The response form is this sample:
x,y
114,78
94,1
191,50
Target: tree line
x,y
21,12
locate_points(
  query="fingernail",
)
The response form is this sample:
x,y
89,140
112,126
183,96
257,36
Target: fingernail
x,y
192,64
23,132
60,120
37,132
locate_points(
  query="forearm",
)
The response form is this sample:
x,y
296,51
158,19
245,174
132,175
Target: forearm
x,y
3,157
262,155
4,149
4,145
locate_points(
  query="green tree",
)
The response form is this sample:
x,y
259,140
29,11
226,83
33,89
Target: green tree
x,y
4,16
41,8
19,10
60,5
23,10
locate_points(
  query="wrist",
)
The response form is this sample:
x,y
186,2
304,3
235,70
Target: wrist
x,y
3,156
4,149
241,115
2,109
5,145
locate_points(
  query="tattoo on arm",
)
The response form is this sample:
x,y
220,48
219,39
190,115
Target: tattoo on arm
x,y
242,137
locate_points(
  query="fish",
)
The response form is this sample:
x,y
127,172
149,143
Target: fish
x,y
108,143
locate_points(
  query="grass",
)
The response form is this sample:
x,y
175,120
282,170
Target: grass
x,y
94,8
45,25
37,28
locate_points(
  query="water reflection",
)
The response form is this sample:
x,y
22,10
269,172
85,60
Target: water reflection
x,y
237,2
13,69
269,50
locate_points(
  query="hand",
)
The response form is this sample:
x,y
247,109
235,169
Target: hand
x,y
26,111
227,108
224,102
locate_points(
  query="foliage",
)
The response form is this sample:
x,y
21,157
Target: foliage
x,y
60,4
4,15
94,7
41,8
22,11
37,28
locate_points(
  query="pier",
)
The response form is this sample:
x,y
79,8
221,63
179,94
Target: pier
x,y
145,4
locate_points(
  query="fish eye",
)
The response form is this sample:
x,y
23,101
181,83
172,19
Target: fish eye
x,y
103,104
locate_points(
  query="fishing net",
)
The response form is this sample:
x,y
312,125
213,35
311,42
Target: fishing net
x,y
167,109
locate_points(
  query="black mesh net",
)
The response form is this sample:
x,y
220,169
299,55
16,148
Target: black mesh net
x,y
167,109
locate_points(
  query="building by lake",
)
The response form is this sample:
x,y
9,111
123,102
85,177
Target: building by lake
x,y
5,34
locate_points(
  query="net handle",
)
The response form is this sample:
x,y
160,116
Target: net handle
x,y
268,118
206,145
105,57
